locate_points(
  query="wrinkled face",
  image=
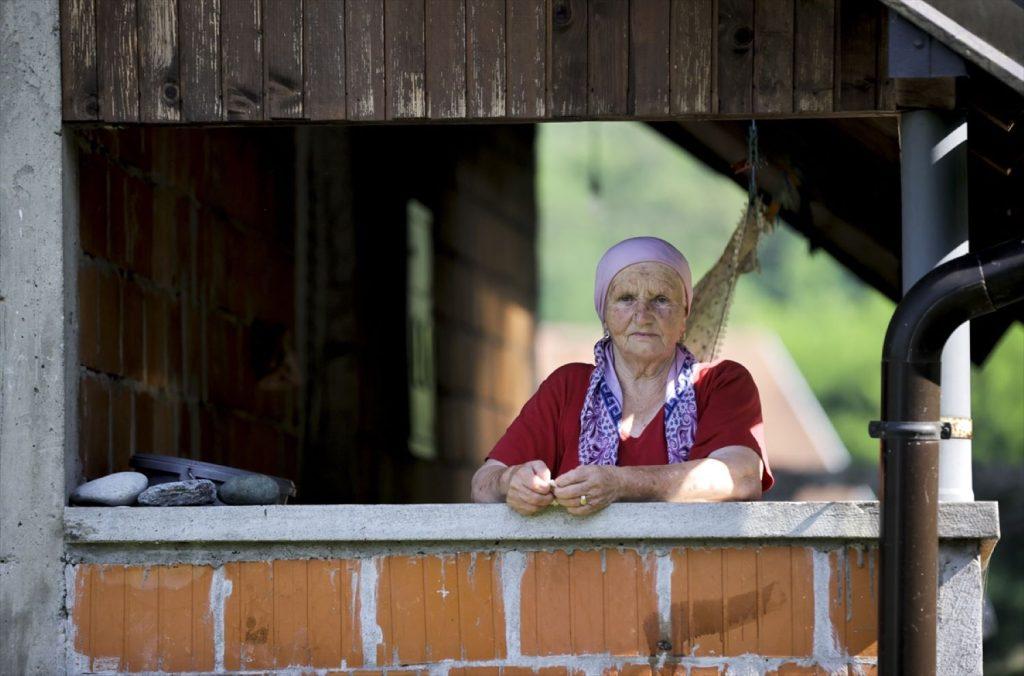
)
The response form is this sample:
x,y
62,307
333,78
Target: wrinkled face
x,y
645,311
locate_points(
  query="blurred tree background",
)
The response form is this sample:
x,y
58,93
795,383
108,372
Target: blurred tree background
x,y
601,182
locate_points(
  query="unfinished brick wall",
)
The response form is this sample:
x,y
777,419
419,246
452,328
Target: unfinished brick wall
x,y
775,609
485,295
186,297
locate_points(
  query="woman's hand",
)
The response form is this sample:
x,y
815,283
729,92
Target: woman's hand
x,y
599,483
527,487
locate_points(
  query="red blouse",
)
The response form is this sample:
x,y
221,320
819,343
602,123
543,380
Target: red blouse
x,y
548,427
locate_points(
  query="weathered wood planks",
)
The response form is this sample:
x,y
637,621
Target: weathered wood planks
x,y
202,61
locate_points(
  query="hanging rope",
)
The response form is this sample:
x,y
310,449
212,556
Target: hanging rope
x,y
713,295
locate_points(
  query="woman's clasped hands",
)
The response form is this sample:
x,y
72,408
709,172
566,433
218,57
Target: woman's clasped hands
x,y
584,490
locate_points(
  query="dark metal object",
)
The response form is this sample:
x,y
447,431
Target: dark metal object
x,y
880,429
945,298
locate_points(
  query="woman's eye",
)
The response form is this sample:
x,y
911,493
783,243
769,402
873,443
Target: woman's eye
x,y
661,299
626,298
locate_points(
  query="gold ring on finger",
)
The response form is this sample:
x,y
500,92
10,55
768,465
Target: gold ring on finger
x,y
583,500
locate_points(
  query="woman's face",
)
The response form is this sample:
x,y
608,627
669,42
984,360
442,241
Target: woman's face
x,y
645,311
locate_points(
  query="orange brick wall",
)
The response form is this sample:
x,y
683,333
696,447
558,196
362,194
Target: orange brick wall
x,y
186,279
770,610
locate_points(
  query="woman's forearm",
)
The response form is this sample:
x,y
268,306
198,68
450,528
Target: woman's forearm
x,y
726,475
489,484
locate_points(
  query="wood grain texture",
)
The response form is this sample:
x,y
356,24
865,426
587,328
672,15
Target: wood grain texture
x,y
159,87
282,59
117,45
857,55
199,60
650,22
735,65
79,89
241,59
323,59
405,59
526,52
485,58
773,56
814,55
567,73
364,59
692,53
607,58
446,58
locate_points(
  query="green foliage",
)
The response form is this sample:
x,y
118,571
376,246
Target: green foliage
x,y
831,322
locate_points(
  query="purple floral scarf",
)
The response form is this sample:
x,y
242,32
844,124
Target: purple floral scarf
x,y
602,409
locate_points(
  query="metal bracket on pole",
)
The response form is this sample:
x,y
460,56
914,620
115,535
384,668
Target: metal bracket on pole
x,y
914,429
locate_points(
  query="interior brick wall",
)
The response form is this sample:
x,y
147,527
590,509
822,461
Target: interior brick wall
x,y
186,284
485,299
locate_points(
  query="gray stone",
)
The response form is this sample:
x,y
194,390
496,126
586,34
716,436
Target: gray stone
x,y
250,489
120,488
179,493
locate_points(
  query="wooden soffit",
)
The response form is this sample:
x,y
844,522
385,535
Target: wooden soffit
x,y
213,61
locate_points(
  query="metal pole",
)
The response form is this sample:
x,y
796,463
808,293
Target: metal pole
x,y
933,165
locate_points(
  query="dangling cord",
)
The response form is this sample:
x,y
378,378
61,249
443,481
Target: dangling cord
x,y
753,158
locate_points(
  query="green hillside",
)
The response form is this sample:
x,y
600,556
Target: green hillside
x,y
601,182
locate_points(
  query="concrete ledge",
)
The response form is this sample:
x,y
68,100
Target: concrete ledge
x,y
737,521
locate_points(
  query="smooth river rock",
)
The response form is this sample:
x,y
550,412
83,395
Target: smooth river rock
x,y
179,493
120,488
250,489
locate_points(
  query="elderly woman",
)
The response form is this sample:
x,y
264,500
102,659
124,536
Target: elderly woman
x,y
646,422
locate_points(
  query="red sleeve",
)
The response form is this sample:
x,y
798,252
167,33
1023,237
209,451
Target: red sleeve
x,y
533,435
731,416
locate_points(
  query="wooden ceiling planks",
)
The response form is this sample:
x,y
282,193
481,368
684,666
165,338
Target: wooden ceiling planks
x,y
247,61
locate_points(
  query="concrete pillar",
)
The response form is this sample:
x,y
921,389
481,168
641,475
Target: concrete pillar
x,y
36,303
933,166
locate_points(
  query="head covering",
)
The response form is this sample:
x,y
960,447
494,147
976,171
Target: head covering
x,y
639,250
601,414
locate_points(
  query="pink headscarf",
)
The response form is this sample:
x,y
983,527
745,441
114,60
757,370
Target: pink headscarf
x,y
639,250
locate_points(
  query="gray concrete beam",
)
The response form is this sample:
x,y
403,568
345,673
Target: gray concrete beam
x,y
34,332
732,521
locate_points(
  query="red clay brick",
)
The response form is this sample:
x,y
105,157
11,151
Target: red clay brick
x,y
325,591
862,615
837,594
117,216
478,626
408,637
707,621
621,610
680,605
156,310
553,603
94,426
803,601
587,606
291,614
441,604
108,618
120,425
100,319
775,602
139,226
175,362
740,572
203,648
192,350
92,201
174,610
165,253
256,597
133,342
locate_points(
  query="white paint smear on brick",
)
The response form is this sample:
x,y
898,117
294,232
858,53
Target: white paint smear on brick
x,y
372,634
826,652
513,566
663,585
220,590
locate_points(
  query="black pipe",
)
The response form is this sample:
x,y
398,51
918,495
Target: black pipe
x,y
942,300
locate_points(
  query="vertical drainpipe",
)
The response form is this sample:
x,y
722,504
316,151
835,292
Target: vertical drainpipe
x,y
933,169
